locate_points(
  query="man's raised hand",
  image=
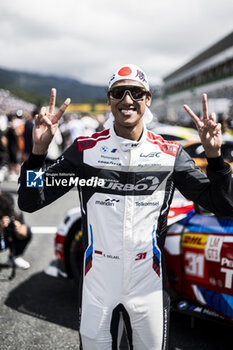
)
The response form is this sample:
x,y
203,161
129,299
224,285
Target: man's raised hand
x,y
209,131
46,124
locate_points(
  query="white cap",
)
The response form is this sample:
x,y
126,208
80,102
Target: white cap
x,y
131,72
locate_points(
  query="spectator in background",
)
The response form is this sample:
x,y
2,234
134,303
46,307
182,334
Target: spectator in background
x,y
4,159
65,131
3,121
12,223
28,133
13,149
90,124
227,133
19,129
76,126
71,127
55,146
101,119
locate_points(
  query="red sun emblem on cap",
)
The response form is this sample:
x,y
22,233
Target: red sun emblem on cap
x,y
124,71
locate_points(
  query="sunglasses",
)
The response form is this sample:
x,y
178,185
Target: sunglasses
x,y
135,92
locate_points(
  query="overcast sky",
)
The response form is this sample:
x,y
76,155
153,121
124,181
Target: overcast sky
x,y
89,39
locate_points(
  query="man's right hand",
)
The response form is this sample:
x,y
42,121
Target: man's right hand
x,y
46,124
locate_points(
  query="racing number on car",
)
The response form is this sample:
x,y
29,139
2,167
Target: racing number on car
x,y
195,264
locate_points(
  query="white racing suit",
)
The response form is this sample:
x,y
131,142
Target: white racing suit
x,y
124,227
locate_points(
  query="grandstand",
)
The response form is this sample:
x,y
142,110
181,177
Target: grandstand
x,y
211,71
12,104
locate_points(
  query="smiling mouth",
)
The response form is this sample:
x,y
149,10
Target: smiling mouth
x,y
127,111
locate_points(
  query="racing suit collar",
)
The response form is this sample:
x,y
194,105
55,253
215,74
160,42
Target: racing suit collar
x,y
126,144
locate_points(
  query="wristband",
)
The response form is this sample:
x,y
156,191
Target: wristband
x,y
216,163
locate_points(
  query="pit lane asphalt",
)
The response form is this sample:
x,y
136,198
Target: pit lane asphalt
x,y
39,312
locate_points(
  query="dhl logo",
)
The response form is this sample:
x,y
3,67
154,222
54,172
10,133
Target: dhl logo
x,y
194,240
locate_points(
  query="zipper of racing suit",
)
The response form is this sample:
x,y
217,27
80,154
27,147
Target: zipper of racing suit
x,y
127,230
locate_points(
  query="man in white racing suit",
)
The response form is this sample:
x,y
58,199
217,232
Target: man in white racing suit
x,y
124,217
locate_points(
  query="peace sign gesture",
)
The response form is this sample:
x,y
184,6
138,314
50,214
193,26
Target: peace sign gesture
x,y
209,131
46,124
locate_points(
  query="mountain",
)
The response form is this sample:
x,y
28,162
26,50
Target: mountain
x,y
35,88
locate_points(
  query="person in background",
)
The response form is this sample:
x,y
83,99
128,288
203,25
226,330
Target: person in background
x,y
71,127
227,133
18,125
12,223
4,157
65,131
101,119
13,149
55,148
28,142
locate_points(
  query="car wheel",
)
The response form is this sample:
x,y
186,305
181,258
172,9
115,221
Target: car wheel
x,y
76,255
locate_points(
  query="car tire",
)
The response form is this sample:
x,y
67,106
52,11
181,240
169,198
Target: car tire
x,y
76,254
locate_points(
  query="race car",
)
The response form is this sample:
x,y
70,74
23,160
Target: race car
x,y
175,132
195,149
198,252
199,262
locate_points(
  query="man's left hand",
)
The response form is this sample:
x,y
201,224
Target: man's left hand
x,y
209,131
